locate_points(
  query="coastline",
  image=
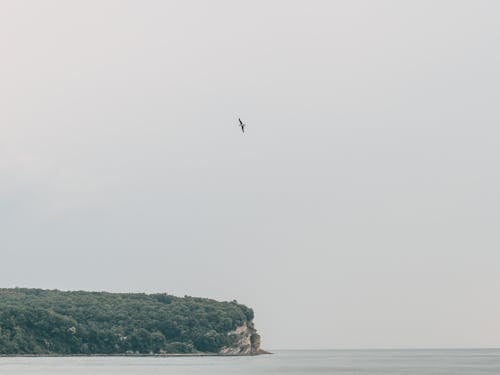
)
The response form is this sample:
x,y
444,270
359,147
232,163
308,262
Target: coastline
x,y
263,352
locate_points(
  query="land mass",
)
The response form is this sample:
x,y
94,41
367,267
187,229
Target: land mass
x,y
53,322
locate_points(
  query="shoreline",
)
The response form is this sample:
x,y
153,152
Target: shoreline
x,y
132,355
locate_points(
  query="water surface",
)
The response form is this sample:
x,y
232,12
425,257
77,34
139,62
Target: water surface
x,y
386,362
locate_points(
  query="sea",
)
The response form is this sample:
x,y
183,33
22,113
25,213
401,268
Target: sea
x,y
296,362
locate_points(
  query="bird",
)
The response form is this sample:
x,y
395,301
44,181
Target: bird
x,y
242,125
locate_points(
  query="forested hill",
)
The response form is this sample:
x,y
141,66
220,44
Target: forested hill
x,y
35,321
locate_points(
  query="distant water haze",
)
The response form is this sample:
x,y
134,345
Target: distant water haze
x,y
360,208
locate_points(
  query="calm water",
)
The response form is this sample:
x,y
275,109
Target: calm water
x,y
351,362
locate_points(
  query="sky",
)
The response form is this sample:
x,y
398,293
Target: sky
x,y
360,209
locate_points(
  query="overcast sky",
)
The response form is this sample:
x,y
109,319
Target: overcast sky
x,y
360,209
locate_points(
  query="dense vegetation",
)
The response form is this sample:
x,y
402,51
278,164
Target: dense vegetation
x,y
35,321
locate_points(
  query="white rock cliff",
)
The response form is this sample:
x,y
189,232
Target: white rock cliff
x,y
245,341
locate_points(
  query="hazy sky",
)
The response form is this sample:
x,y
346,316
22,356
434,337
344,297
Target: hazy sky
x,y
360,209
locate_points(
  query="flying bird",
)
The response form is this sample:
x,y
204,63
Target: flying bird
x,y
242,125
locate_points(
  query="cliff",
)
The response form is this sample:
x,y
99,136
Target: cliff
x,y
244,341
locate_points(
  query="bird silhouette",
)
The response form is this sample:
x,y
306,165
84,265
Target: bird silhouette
x,y
242,125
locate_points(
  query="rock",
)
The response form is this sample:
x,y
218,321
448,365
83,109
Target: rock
x,y
246,341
